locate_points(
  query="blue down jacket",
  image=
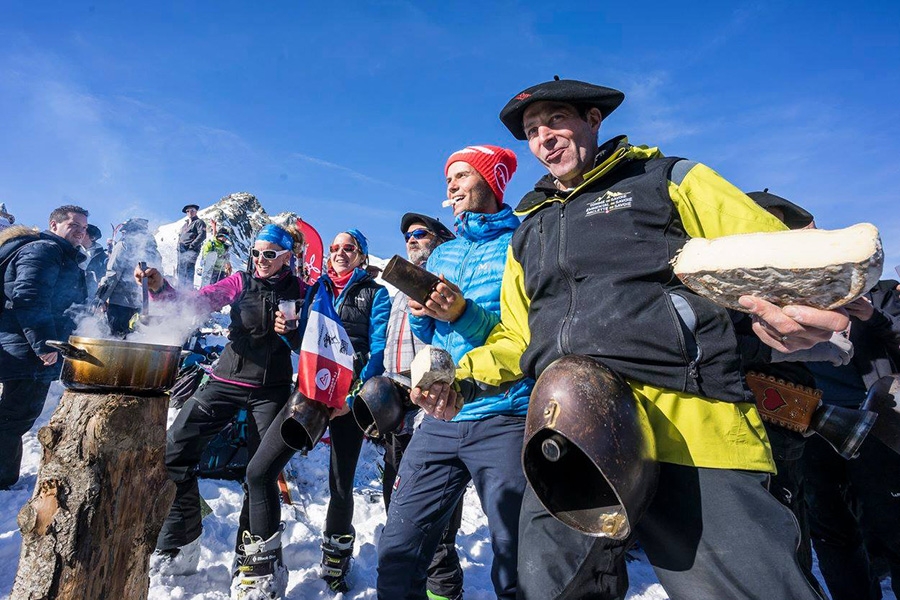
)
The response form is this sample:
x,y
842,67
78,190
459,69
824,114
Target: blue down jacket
x,y
44,287
474,261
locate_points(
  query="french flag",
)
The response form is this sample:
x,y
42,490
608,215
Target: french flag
x,y
325,370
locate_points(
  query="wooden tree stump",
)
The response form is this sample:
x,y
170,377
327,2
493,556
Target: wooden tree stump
x,y
102,494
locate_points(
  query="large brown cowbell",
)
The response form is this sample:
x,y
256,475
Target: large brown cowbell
x,y
589,450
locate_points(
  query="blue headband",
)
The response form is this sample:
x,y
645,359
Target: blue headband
x,y
360,240
276,235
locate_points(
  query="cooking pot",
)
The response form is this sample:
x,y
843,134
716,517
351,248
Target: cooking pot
x,y
117,365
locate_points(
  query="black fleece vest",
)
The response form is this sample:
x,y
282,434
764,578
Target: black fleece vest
x,y
598,275
256,354
356,312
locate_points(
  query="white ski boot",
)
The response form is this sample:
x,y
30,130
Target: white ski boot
x,y
261,574
337,552
177,561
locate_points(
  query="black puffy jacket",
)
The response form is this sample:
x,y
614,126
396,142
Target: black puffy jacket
x,y
43,286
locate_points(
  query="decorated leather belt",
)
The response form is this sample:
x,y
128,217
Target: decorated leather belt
x,y
786,404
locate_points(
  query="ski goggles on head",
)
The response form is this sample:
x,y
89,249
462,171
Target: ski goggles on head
x,y
348,248
267,254
417,233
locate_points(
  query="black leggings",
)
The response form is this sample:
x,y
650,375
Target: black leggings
x,y
273,454
201,418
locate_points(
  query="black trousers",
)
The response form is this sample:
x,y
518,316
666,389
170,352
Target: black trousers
x,y
445,575
346,444
201,418
788,487
854,510
709,534
21,403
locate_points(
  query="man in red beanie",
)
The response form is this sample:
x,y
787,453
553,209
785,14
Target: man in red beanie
x,y
495,165
483,443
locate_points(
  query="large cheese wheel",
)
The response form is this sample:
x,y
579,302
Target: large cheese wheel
x,y
810,267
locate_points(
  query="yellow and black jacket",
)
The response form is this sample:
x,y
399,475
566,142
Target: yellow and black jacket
x,y
588,273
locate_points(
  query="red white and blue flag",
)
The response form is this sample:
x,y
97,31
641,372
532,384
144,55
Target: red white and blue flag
x,y
325,370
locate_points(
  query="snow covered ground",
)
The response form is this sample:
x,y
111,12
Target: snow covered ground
x,y
304,521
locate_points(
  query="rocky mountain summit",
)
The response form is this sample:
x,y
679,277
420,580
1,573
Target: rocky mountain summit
x,y
243,213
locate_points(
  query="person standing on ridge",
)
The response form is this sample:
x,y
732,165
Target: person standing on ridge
x,y
190,240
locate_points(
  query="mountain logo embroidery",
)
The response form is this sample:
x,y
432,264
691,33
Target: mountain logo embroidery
x,y
609,202
773,400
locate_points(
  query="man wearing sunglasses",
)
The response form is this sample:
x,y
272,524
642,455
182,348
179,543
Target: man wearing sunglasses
x,y
422,234
482,444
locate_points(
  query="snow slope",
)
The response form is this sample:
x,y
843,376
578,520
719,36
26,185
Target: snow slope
x,y
304,521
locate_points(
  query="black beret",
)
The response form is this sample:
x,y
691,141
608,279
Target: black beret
x,y
794,216
187,206
430,223
558,90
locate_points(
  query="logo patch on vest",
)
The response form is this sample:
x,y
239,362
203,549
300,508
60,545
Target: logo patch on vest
x,y
609,202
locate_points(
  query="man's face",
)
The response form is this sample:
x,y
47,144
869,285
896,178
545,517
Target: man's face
x,y
191,213
564,142
418,249
469,190
73,229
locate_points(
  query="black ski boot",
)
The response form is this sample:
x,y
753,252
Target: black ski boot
x,y
337,552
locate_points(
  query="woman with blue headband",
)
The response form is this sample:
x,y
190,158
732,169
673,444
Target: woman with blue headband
x,y
254,373
364,308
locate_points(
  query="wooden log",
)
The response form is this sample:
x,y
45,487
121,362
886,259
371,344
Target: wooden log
x,y
101,496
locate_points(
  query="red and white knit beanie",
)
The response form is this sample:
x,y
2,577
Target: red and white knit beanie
x,y
494,163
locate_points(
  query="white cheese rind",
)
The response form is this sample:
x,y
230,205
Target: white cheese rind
x,y
822,269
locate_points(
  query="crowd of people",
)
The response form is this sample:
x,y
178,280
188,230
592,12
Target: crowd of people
x,y
581,266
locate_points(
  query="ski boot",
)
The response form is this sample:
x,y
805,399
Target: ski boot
x,y
176,561
337,552
261,574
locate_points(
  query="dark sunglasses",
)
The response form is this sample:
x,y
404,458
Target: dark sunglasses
x,y
267,254
348,248
417,233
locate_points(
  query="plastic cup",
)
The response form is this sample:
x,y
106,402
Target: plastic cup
x,y
288,308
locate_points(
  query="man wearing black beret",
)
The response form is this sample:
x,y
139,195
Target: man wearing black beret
x,y
190,240
588,273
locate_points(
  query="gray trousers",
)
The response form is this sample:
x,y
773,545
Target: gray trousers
x,y
709,534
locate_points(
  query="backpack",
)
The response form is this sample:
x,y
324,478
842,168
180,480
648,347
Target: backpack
x,y
226,456
8,251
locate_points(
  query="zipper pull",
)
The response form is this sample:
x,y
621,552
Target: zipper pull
x,y
692,370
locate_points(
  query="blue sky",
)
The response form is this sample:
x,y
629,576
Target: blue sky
x,y
345,112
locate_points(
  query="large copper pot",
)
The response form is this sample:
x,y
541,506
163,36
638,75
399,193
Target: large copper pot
x,y
117,365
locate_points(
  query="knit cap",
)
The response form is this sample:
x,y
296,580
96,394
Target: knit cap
x,y
494,163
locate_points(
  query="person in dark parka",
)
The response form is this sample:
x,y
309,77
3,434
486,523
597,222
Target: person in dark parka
x,y
41,285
